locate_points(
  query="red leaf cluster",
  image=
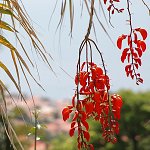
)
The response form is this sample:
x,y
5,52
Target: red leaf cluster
x,y
112,8
136,46
91,100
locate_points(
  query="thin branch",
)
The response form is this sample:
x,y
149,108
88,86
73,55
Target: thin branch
x,y
131,31
146,6
91,20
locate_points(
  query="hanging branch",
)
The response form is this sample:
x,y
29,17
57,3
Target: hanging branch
x,y
91,20
112,8
136,46
91,98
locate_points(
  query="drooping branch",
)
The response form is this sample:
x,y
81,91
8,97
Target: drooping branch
x,y
130,36
91,98
91,20
136,46
146,6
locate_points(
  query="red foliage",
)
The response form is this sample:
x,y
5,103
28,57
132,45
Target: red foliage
x,y
111,7
66,112
91,98
95,103
133,52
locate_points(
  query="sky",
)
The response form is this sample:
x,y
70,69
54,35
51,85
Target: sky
x,y
64,49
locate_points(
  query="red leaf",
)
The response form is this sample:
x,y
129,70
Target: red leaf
x,y
73,100
73,124
83,115
139,51
129,57
82,66
137,29
109,8
113,11
93,70
129,40
143,45
106,110
116,113
79,146
115,126
124,54
130,73
86,125
84,89
134,55
91,64
98,108
99,84
96,97
132,76
105,96
79,105
105,1
121,10
127,73
106,79
138,60
127,68
140,80
91,147
119,41
65,113
91,86
89,107
83,78
71,132
114,140
137,66
86,135
135,37
76,80
118,101
99,71
143,32
138,74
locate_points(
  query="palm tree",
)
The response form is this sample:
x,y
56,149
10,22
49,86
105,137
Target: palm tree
x,y
12,16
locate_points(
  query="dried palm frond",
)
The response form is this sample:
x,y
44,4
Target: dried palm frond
x,y
12,13
70,4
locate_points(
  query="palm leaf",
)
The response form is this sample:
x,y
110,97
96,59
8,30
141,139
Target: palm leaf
x,y
4,9
71,9
6,43
15,11
16,66
10,76
6,26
